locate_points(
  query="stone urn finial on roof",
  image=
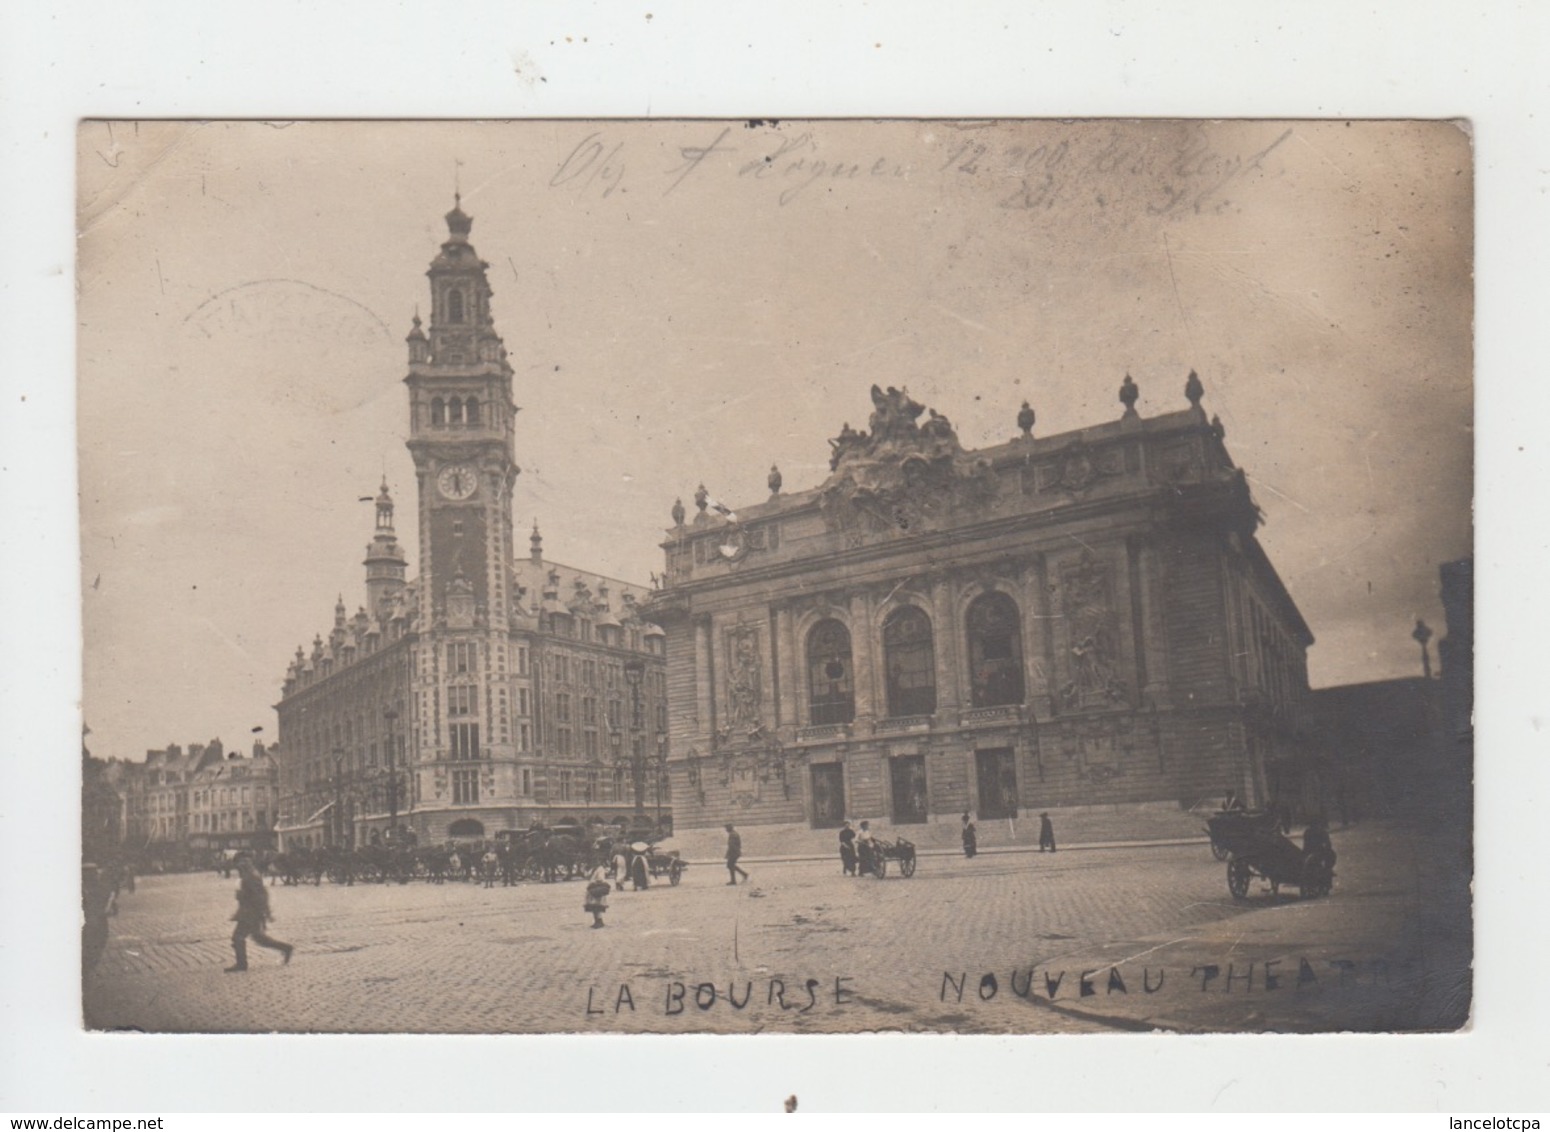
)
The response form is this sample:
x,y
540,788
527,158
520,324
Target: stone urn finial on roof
x,y
1129,394
1025,419
1194,390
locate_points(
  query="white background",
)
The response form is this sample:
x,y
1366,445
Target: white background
x,y
1486,62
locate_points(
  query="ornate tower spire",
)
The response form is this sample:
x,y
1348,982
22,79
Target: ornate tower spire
x,y
536,541
386,568
419,345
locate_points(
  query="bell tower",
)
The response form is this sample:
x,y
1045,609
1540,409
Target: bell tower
x,y
461,435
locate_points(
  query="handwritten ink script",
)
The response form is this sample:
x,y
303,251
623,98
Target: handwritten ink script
x,y
678,996
1243,978
1288,979
1172,172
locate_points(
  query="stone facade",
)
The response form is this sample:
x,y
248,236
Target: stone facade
x,y
490,691
204,797
1077,619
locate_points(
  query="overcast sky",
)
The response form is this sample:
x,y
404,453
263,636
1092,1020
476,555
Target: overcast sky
x,y
688,301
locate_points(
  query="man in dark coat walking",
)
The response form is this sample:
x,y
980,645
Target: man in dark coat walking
x,y
734,851
1046,834
252,914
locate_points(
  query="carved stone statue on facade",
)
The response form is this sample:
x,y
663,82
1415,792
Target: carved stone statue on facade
x,y
902,475
893,414
847,441
1025,419
743,678
1093,669
678,512
938,427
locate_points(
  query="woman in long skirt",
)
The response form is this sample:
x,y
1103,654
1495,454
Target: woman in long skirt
x,y
597,895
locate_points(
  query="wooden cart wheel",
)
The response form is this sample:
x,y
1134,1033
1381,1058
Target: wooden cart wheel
x,y
676,873
1238,875
907,865
880,866
1220,852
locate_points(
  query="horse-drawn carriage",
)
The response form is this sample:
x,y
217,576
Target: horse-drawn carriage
x,y
1254,846
660,862
1231,827
545,853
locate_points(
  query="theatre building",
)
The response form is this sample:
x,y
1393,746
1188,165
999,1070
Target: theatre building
x,y
1067,620
490,691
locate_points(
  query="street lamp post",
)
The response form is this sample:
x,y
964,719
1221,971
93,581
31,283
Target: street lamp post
x,y
661,769
634,673
391,717
616,741
338,822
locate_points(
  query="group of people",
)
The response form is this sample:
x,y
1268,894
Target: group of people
x,y
857,849
971,839
631,863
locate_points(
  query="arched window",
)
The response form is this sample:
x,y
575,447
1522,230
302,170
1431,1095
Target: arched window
x,y
438,411
454,306
829,674
455,411
471,411
466,827
910,662
995,651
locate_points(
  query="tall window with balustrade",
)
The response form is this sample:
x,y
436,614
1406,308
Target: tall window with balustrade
x,y
909,660
995,651
830,678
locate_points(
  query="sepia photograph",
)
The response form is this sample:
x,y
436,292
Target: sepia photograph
x,y
1031,560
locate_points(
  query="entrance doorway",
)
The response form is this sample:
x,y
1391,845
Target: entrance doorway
x,y
908,775
828,795
996,773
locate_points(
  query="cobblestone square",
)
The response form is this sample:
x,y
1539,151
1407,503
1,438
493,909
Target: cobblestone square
x,y
1130,938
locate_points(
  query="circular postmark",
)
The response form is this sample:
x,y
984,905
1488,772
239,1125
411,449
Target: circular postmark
x,y
315,346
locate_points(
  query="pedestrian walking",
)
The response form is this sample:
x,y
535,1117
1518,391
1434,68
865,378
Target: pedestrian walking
x,y
971,840
734,851
597,894
95,895
865,850
1046,834
251,916
487,865
640,872
621,865
848,850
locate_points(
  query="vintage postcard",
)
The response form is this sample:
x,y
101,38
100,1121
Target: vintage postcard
x,y
1029,561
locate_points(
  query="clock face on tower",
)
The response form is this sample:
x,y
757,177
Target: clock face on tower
x,y
457,481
